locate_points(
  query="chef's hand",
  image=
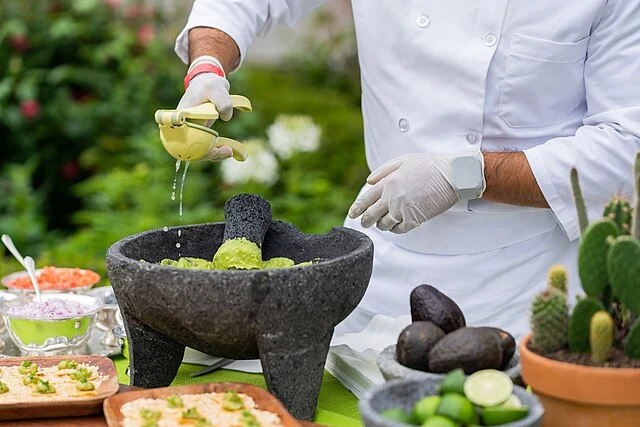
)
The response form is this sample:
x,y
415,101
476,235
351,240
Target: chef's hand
x,y
407,191
210,87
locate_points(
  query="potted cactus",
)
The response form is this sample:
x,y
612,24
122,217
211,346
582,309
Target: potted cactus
x,y
584,363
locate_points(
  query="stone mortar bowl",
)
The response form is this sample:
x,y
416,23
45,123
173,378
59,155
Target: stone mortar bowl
x,y
285,317
392,369
404,393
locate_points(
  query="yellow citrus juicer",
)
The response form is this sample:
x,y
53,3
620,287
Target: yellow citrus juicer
x,y
185,136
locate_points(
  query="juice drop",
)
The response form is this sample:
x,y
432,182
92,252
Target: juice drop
x,y
175,179
184,175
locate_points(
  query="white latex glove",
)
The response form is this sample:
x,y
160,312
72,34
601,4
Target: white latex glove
x,y
407,191
210,87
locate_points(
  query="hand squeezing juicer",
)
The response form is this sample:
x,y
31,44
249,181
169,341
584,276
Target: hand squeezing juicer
x,y
185,136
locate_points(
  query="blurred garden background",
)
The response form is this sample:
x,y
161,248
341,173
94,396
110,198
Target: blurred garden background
x,y
82,165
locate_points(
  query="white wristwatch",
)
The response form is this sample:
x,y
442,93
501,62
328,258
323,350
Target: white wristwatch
x,y
467,176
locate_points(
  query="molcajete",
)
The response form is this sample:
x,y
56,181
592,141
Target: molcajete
x,y
285,317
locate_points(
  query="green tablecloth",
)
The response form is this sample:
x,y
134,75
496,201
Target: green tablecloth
x,y
337,406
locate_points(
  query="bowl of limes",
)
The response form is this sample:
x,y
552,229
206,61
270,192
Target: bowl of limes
x,y
484,398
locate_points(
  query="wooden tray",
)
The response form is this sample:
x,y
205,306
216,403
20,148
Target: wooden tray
x,y
264,400
66,407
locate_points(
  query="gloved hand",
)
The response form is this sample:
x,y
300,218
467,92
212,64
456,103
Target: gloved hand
x,y
210,87
407,191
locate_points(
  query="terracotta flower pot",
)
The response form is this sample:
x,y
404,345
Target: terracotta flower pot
x,y
582,396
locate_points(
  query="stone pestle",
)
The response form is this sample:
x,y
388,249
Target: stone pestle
x,y
247,219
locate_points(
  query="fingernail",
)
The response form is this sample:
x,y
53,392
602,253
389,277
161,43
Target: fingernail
x,y
353,211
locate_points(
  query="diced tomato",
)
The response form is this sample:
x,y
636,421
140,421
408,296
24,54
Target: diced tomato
x,y
58,279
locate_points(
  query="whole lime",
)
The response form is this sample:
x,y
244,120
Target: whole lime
x,y
458,408
453,382
425,407
396,414
439,421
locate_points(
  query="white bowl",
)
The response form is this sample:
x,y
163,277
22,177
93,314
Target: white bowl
x,y
57,335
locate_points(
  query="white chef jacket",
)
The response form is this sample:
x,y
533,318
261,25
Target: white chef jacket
x,y
559,81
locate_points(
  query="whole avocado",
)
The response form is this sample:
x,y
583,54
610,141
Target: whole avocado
x,y
470,349
508,344
415,342
429,304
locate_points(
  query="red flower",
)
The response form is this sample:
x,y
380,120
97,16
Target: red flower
x,y
30,108
70,170
146,33
19,42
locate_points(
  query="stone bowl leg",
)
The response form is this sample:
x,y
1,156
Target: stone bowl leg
x,y
293,367
154,359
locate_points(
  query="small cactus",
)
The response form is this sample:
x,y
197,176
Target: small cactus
x,y
632,344
619,211
549,320
583,219
624,271
592,256
601,337
580,322
558,278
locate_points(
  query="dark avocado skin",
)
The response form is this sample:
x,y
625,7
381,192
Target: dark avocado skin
x,y
507,342
415,342
471,349
429,304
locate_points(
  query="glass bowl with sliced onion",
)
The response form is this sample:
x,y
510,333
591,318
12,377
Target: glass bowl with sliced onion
x,y
59,323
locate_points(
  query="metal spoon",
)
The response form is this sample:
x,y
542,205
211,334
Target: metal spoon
x,y
9,244
31,270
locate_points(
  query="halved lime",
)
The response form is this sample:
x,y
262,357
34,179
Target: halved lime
x,y
499,415
453,382
512,402
488,387
458,408
439,421
424,408
396,414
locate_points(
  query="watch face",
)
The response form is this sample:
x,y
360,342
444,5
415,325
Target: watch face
x,y
466,173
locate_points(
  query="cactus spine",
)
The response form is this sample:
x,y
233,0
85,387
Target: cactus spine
x,y
601,337
583,219
558,278
549,320
619,211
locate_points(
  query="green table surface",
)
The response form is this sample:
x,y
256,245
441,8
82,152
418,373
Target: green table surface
x,y
337,406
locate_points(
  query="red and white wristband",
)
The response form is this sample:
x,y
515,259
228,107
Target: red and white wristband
x,y
203,64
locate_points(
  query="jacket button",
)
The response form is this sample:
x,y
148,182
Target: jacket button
x,y
423,21
490,39
472,137
403,124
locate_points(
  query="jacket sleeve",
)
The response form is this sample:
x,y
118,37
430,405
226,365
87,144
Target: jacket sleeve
x,y
604,148
242,20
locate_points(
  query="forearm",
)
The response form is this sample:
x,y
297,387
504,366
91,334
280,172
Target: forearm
x,y
510,180
216,43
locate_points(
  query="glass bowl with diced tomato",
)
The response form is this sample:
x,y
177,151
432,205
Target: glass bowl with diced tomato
x,y
52,279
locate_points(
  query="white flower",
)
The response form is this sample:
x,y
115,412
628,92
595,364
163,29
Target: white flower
x,y
260,165
290,134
